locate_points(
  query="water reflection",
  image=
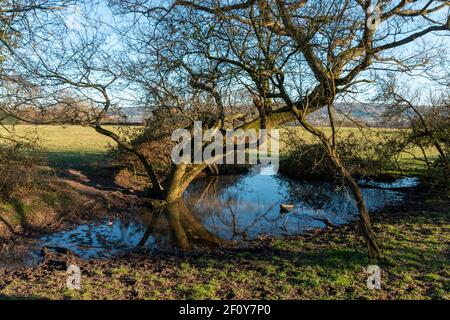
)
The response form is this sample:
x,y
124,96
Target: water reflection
x,y
245,207
167,228
217,209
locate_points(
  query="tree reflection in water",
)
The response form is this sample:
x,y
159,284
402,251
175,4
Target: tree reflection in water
x,y
219,209
241,207
182,229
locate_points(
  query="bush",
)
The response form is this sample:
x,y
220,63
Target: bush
x,y
365,156
18,163
429,128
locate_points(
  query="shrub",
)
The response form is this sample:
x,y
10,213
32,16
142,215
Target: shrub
x,y
18,163
365,156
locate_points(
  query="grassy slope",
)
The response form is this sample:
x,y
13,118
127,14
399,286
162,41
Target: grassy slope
x,y
328,266
72,144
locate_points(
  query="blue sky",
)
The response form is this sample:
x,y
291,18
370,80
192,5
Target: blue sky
x,y
101,12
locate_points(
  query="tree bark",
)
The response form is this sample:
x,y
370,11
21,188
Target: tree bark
x,y
367,231
194,228
330,148
180,178
184,227
179,236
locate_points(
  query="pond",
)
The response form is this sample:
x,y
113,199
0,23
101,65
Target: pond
x,y
224,208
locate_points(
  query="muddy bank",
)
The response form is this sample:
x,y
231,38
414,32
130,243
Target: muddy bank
x,y
327,263
68,199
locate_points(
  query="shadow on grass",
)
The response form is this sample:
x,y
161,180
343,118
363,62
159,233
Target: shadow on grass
x,y
72,159
21,212
17,298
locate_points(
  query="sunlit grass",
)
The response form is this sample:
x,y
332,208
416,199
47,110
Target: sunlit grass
x,y
74,145
70,145
410,162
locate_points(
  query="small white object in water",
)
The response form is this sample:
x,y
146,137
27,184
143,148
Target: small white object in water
x,y
110,223
287,207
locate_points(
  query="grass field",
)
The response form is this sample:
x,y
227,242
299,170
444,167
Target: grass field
x,y
67,145
411,162
72,146
414,237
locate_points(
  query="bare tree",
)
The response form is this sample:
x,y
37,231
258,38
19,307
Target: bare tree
x,y
286,59
337,42
426,118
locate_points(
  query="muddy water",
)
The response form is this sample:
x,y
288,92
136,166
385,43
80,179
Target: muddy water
x,y
219,209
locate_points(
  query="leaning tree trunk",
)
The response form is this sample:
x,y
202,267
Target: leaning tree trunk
x,y
330,148
180,178
156,188
369,234
178,233
184,227
194,228
366,226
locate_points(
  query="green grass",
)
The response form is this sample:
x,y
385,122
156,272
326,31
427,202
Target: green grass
x,y
68,146
415,246
73,146
66,138
411,162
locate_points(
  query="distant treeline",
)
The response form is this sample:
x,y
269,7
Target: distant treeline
x,y
30,116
